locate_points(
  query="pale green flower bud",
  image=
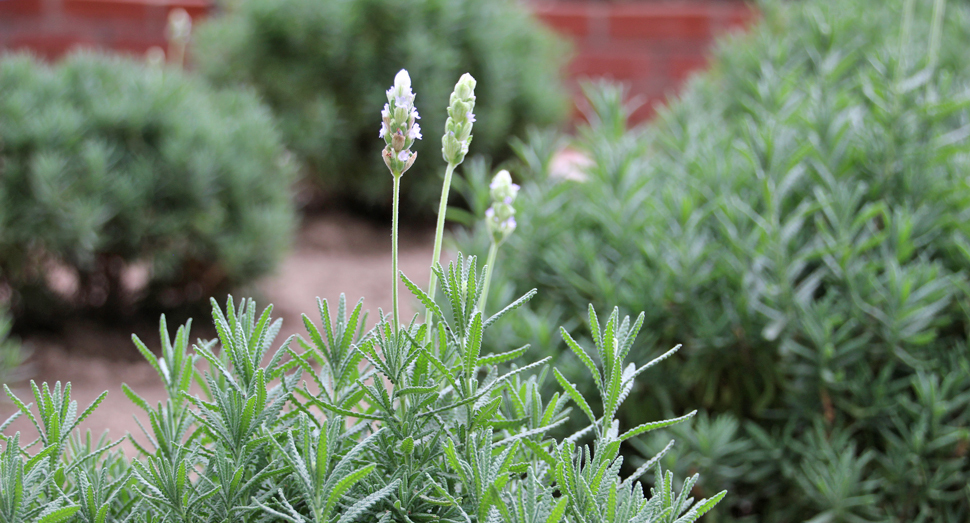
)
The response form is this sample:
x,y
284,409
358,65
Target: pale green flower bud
x,y
464,132
179,25
155,56
465,88
451,147
458,110
499,229
500,217
502,189
458,128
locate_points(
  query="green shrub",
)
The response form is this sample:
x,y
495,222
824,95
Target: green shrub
x,y
109,164
322,65
398,422
798,219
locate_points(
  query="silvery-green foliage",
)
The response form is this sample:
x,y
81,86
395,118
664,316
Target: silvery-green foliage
x,y
358,425
798,220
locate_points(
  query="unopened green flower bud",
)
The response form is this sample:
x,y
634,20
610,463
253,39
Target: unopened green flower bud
x,y
458,128
401,114
451,148
465,88
503,211
458,110
465,132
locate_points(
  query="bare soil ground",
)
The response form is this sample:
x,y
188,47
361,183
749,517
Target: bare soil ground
x,y
333,254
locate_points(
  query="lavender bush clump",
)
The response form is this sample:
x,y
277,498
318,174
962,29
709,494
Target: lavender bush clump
x,y
798,219
110,165
395,421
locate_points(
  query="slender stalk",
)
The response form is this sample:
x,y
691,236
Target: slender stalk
x,y
438,236
492,252
394,234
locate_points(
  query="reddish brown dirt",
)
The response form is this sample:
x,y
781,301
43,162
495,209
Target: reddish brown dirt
x,y
332,254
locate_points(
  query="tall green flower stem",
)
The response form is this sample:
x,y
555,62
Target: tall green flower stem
x,y
394,235
439,236
500,220
399,130
492,254
454,147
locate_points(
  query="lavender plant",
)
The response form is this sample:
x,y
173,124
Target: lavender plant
x,y
110,166
798,220
397,421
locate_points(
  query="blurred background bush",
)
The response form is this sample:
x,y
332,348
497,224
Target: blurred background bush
x,y
324,66
128,186
12,356
798,219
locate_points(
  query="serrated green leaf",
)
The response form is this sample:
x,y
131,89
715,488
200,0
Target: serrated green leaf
x,y
574,394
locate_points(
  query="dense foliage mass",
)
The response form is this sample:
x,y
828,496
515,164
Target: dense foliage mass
x,y
388,429
798,219
322,67
137,185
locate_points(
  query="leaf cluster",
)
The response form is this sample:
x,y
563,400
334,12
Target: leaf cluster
x,y
351,424
798,220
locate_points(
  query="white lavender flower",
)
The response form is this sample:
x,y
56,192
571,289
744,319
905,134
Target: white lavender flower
x,y
500,217
400,92
398,125
502,189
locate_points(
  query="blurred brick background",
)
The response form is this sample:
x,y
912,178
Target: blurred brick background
x,y
53,27
651,45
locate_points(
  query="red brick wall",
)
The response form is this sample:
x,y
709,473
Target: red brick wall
x,y
53,27
651,45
